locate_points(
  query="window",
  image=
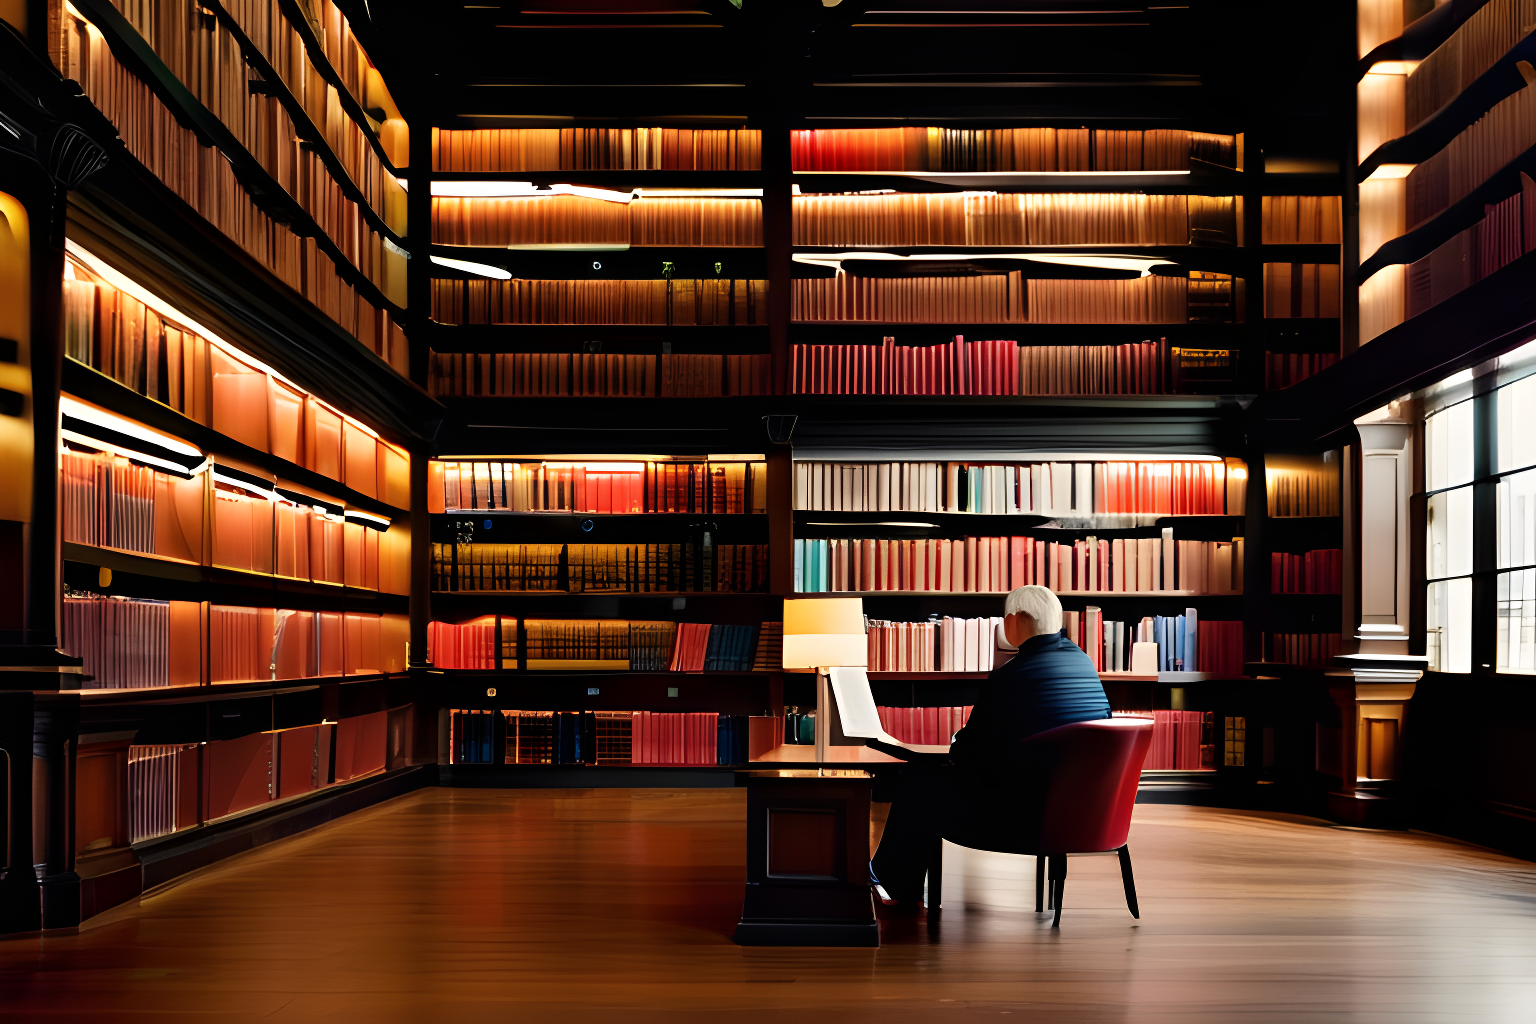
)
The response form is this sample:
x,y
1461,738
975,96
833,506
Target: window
x,y
1450,458
1480,518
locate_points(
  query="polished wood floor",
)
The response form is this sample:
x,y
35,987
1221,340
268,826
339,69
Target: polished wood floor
x,y
616,906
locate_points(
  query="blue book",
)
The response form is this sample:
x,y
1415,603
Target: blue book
x,y
1178,643
799,566
1160,636
1191,640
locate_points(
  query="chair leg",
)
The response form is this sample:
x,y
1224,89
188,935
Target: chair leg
x,y
1058,883
1130,881
1039,883
935,882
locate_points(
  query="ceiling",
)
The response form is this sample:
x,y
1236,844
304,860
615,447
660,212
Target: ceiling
x,y
1199,64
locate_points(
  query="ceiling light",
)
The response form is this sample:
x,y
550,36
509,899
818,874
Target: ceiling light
x,y
1385,172
478,269
1393,67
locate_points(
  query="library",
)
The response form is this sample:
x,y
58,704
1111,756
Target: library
x,y
588,508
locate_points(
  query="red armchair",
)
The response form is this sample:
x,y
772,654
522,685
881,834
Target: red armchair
x,y
1084,777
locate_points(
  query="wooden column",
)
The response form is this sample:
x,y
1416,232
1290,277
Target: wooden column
x,y
418,208
421,557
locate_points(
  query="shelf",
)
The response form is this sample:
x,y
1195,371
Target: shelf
x,y
92,385
633,675
979,524
139,58
153,577
1425,238
1421,36
312,134
1437,130
642,263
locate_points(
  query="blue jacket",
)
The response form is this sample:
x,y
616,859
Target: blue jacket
x,y
1050,682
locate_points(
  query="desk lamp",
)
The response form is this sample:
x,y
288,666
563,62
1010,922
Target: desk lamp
x,y
823,633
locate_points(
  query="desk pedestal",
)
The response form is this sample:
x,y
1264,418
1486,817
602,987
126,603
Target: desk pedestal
x,y
808,862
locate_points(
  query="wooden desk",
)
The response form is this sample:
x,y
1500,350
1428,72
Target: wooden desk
x,y
808,860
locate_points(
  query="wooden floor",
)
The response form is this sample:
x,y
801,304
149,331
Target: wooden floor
x,y
465,906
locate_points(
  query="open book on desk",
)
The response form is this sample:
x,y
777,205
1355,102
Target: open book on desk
x,y
856,719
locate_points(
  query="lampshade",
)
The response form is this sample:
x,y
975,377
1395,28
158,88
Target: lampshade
x,y
824,632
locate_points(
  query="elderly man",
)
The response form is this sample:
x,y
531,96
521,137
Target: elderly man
x,y
1050,682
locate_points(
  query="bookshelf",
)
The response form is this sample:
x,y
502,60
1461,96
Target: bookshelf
x,y
229,579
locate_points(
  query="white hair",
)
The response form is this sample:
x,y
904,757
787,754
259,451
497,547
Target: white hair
x,y
1039,604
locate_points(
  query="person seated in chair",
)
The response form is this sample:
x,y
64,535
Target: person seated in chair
x,y
979,790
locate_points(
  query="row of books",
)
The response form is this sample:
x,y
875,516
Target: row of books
x,y
1301,290
1027,488
157,356
1472,157
1302,492
1282,369
1290,220
991,368
950,644
1006,149
598,374
981,565
601,568
206,181
1471,50
596,149
923,725
1111,646
606,645
1003,298
213,65
114,332
554,220
680,302
1019,218
278,643
701,647
136,642
175,786
1313,572
266,25
1312,650
1181,740
107,501
697,486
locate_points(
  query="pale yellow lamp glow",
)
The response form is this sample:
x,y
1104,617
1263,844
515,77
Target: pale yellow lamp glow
x,y
825,632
